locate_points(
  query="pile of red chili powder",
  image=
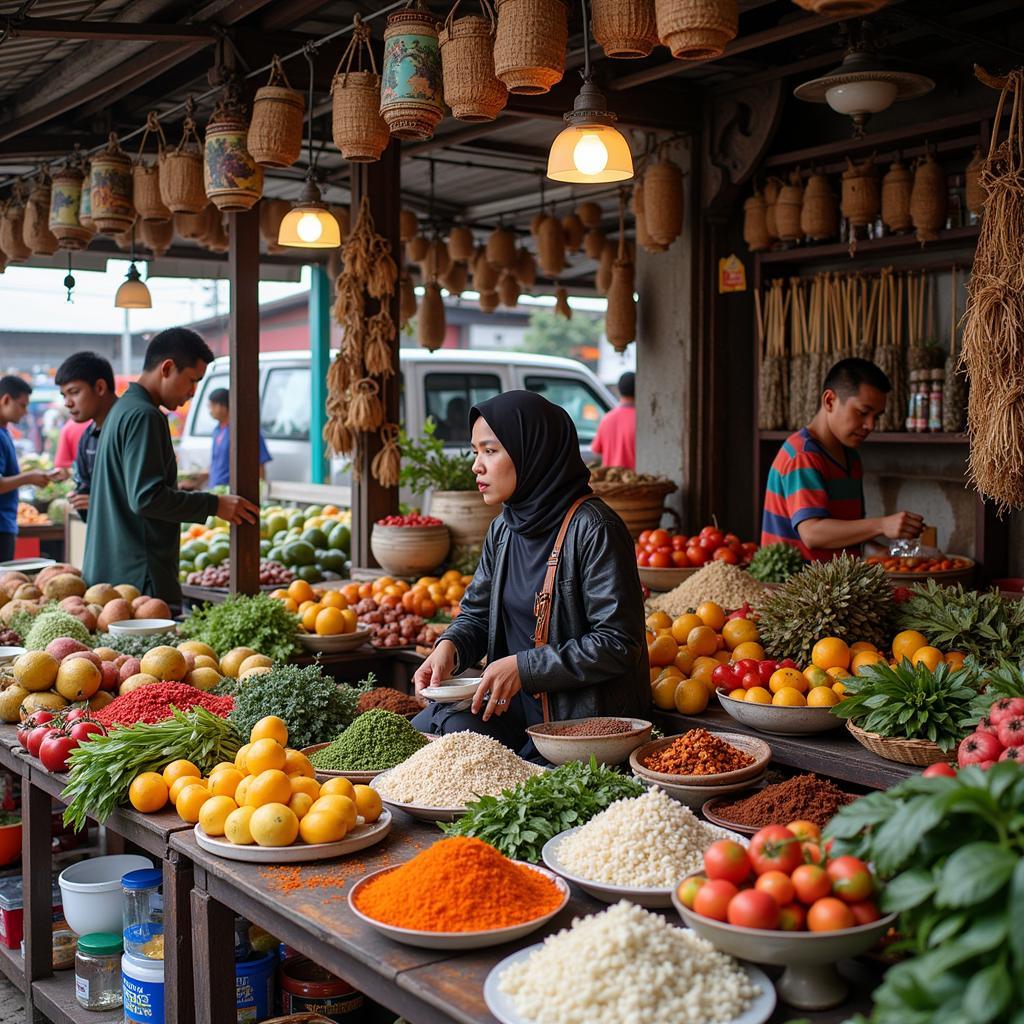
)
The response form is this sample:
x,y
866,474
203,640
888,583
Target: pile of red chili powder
x,y
153,703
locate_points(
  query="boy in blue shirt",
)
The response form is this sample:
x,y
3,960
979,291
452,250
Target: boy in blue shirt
x,y
220,458
14,394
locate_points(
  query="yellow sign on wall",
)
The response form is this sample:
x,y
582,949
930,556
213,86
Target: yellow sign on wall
x,y
732,275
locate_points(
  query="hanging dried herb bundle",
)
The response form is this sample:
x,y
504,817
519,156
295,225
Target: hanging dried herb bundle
x,y
365,412
772,339
993,338
379,336
387,462
954,398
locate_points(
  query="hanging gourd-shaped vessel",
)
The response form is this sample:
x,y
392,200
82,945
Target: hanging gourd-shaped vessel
x,y
411,92
232,178
65,204
819,215
896,188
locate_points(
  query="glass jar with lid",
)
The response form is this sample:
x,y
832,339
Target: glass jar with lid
x,y
143,913
98,971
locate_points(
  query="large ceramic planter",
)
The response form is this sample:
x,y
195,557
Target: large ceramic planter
x,y
465,515
409,550
411,94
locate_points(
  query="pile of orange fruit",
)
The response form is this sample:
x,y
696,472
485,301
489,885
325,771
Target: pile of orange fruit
x,y
269,795
323,612
684,653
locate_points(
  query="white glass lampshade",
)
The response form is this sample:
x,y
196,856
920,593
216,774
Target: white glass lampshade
x,y
309,227
133,293
868,96
590,154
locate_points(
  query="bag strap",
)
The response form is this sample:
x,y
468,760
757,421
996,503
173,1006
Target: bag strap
x,y
542,602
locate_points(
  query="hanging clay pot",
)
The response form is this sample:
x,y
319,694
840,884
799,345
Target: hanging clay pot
x,y
111,187
232,178
65,203
411,92
896,188
471,88
529,46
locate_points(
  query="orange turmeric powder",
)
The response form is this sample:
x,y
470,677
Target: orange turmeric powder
x,y
458,885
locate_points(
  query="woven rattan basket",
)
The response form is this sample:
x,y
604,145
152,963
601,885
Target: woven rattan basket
x,y
358,130
663,201
36,229
146,192
640,506
755,232
697,29
529,46
928,199
862,200
788,209
916,752
896,187
625,29
181,173
819,215
471,88
460,243
275,131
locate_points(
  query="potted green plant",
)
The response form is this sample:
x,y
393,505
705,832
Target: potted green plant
x,y
451,484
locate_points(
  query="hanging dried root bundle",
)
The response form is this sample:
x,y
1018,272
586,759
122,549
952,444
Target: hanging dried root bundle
x,y
388,461
379,338
383,270
365,412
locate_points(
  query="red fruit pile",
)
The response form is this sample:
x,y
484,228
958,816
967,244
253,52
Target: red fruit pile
x,y
659,549
782,882
409,521
748,673
999,736
52,735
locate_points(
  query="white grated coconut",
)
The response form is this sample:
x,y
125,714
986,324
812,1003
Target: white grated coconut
x,y
645,842
627,966
454,770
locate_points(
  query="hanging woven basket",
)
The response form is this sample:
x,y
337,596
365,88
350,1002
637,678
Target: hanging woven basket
x,y
973,188
896,188
430,320
157,235
460,243
697,29
485,274
772,188
471,88
36,228
436,262
416,249
755,231
181,173
574,231
620,318
272,212
526,269
603,275
593,243
819,216
489,301
928,199
65,203
194,225
639,205
358,130
408,225
275,131
861,194
233,180
529,46
562,307
788,209
406,299
146,196
842,8
551,247
12,236
411,91
663,201
625,29
508,290
111,188
501,248
456,278
590,214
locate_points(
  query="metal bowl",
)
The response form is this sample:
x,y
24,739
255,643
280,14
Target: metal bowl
x,y
612,748
782,721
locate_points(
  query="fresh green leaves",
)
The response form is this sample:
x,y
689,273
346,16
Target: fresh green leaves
x,y
425,466
910,702
520,821
259,622
103,769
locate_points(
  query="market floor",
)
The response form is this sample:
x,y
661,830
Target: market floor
x,y
12,1003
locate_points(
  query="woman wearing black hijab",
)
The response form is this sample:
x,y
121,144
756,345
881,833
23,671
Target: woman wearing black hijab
x,y
527,458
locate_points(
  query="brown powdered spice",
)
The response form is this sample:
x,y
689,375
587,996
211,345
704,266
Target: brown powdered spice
x,y
593,727
802,798
698,752
386,699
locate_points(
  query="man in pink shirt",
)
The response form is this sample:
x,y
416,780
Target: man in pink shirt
x,y
615,441
67,445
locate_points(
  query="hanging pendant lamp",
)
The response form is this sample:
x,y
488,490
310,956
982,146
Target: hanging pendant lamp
x,y
133,293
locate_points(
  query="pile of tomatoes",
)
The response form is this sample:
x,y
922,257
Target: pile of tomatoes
x,y
52,735
659,549
410,520
783,881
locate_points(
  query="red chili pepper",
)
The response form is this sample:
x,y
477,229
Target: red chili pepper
x,y
153,703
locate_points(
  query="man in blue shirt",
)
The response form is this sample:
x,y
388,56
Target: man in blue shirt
x,y
14,394
220,459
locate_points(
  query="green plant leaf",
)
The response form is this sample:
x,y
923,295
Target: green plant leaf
x,y
974,873
908,890
1015,911
988,993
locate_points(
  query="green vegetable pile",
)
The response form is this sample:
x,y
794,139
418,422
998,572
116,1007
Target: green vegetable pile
x,y
133,646
375,741
51,624
952,850
315,708
910,702
103,769
259,622
520,821
775,563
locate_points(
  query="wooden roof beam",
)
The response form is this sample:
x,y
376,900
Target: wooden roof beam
x,y
58,28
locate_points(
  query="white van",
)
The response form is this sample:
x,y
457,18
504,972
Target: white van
x,y
444,385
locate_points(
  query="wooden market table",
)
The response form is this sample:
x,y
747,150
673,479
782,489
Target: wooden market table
x,y
306,907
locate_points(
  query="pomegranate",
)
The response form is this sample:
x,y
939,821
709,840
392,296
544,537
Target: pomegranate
x,y
985,725
978,747
1005,707
1013,754
1011,731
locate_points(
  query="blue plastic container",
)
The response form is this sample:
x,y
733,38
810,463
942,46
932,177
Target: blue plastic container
x,y
254,988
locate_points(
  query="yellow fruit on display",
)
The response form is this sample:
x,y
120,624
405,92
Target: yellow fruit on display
x,y
300,804
955,659
265,755
329,622
165,662
225,782
242,791
240,757
236,827
723,657
861,646
662,650
712,615
259,661
738,694
198,649
303,784
368,803
792,678
702,641
180,769
748,649
684,661
831,652
190,802
203,678
338,787
703,668
322,827
663,693
758,695
296,763
213,815
270,728
148,793
36,670
790,697
684,626
822,697
863,659
839,689
930,656
817,676
232,661
906,643
179,784
269,787
658,620
839,673
274,825
691,697
340,805
739,631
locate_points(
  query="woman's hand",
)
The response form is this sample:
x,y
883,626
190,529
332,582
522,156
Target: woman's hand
x,y
501,677
439,665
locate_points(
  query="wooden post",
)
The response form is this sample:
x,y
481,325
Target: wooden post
x,y
244,350
37,882
213,934
370,502
179,991
320,360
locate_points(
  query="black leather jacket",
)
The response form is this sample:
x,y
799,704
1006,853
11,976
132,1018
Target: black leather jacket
x,y
595,662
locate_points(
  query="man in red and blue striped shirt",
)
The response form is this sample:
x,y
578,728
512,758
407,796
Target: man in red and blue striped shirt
x,y
814,500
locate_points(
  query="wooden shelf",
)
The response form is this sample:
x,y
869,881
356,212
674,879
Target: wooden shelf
x,y
54,997
954,238
882,437
12,965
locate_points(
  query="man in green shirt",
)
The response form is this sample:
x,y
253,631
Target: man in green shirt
x,y
135,509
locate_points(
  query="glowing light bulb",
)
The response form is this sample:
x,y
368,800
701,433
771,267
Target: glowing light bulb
x,y
590,154
309,228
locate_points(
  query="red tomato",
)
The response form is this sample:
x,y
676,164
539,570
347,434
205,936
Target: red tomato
x,y
778,886
709,545
689,888
680,559
788,663
812,853
726,555
851,879
730,539
36,737
765,669
679,542
775,848
792,918
830,915
750,679
725,677
712,899
749,550
55,750
939,768
725,858
745,665
811,883
643,559
805,831
659,537
660,560
645,536
697,555
714,535
752,908
865,912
